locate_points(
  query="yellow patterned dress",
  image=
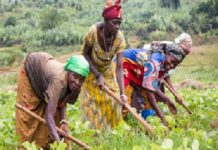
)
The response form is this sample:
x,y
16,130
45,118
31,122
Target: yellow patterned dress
x,y
101,110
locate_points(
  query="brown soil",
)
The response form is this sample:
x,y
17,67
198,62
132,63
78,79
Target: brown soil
x,y
8,70
194,84
214,124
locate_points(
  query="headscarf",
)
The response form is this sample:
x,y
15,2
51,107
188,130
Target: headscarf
x,y
111,10
176,51
78,64
186,39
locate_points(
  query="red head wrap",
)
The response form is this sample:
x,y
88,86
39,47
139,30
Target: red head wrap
x,y
111,10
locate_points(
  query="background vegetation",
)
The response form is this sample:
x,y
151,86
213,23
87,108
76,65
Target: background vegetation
x,y
54,25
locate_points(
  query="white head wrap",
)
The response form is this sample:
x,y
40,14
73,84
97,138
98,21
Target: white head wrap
x,y
184,38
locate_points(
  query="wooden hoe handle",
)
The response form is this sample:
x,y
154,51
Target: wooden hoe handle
x,y
180,101
129,108
73,139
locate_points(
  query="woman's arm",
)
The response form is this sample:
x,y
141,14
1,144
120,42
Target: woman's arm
x,y
153,103
168,80
87,53
53,92
63,112
119,72
119,75
63,122
49,117
162,95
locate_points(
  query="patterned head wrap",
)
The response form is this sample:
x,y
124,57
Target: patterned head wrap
x,y
111,10
78,64
176,51
186,39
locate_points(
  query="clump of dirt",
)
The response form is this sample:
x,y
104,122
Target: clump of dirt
x,y
194,84
212,86
214,124
12,88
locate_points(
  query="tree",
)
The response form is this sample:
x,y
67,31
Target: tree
x,y
51,18
175,4
165,3
11,21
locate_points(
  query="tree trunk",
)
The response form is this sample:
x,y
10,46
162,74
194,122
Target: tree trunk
x,y
165,3
177,4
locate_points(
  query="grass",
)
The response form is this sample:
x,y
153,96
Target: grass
x,y
186,132
200,65
8,81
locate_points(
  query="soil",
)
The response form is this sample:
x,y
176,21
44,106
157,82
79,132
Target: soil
x,y
214,124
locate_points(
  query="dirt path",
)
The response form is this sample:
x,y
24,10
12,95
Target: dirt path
x,y
8,70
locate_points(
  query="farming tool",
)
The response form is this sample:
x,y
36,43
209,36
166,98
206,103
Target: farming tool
x,y
129,108
73,139
179,99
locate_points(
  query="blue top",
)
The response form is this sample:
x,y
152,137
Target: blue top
x,y
153,64
136,54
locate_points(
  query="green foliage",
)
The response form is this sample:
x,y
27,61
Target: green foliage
x,y
6,59
51,18
7,81
64,23
11,21
30,146
200,65
10,56
7,135
58,146
204,17
175,4
186,132
10,35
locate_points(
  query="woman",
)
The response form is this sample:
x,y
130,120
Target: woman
x,y
183,41
45,86
102,43
143,69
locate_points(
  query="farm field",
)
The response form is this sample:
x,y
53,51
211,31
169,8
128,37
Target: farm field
x,y
198,131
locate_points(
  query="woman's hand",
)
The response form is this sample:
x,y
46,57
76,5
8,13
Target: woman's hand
x,y
171,106
100,81
165,123
124,98
64,127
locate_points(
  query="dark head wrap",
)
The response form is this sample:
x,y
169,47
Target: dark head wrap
x,y
176,51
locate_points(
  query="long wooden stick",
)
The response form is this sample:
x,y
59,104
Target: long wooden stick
x,y
179,99
73,139
128,107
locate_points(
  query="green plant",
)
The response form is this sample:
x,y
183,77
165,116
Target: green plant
x,y
51,18
11,21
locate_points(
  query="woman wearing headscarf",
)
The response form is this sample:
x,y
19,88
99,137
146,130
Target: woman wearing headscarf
x,y
183,41
144,69
102,43
45,86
